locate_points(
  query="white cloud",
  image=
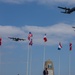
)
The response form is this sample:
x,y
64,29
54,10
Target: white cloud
x,y
55,33
16,1
39,1
12,1
10,30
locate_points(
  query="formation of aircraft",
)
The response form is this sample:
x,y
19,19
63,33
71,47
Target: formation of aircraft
x,y
16,39
67,10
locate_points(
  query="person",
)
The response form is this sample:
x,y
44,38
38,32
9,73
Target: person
x,y
45,72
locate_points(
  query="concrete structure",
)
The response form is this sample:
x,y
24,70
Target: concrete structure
x,y
49,66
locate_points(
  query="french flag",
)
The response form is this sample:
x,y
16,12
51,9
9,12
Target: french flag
x,y
60,46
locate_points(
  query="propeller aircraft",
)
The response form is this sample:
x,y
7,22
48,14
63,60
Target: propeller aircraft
x,y
67,10
16,39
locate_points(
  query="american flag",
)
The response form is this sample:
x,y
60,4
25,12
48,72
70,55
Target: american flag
x,y
30,35
31,42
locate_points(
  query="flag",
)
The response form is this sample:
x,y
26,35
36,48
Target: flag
x,y
45,38
30,35
0,41
31,42
70,45
60,46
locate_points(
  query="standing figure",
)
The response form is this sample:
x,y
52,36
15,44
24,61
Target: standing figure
x,y
45,72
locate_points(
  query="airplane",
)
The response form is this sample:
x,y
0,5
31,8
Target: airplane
x,y
16,39
67,10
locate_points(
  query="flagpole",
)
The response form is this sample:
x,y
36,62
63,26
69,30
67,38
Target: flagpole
x,y
59,65
0,53
30,60
59,48
30,55
30,44
44,54
0,60
70,45
29,38
27,60
69,63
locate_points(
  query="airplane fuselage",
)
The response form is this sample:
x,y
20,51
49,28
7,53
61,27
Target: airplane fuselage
x,y
71,10
16,39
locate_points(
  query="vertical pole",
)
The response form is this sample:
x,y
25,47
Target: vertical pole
x,y
70,45
30,60
0,53
59,65
27,60
0,60
69,63
44,54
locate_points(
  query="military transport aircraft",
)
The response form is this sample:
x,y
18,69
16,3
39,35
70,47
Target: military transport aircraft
x,y
16,39
67,10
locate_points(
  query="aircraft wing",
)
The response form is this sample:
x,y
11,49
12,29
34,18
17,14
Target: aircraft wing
x,y
16,39
73,27
63,12
10,37
63,8
22,39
